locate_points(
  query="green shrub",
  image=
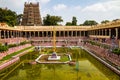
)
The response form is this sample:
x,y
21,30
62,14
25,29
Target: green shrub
x,y
12,45
3,48
116,51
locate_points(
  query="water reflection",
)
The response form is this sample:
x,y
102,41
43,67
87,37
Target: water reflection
x,y
88,68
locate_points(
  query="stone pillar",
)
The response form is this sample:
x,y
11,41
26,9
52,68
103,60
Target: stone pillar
x,y
99,32
34,34
102,32
15,33
51,34
30,34
63,33
38,33
71,33
0,34
68,33
110,32
25,34
76,33
119,43
116,33
46,33
42,33
105,32
59,34
7,34
93,32
80,33
96,32
83,33
20,34
11,34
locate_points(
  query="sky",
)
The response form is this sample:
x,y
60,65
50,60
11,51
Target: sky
x,y
97,10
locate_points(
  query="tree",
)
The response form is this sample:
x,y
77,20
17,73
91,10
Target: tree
x,y
51,20
68,24
74,21
8,17
105,21
19,18
89,23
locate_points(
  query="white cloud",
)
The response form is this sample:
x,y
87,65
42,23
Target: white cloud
x,y
104,7
18,5
77,7
95,7
43,1
59,7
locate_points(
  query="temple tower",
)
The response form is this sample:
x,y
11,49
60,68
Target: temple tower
x,y
31,15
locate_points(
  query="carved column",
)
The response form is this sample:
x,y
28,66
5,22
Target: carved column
x,y
7,34
34,33
102,32
38,33
83,33
11,34
63,33
105,32
99,32
80,33
67,33
59,34
110,32
0,34
116,33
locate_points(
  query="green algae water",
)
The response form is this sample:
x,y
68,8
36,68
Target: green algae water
x,y
87,68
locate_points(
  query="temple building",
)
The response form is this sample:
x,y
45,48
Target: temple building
x,y
31,15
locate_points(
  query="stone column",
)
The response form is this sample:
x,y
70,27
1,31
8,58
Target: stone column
x,y
11,34
20,34
30,34
83,33
68,33
15,34
105,32
0,34
96,32
46,33
63,33
59,34
51,34
71,33
116,33
102,32
34,33
99,32
7,34
38,33
92,32
80,33
42,33
110,32
75,33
